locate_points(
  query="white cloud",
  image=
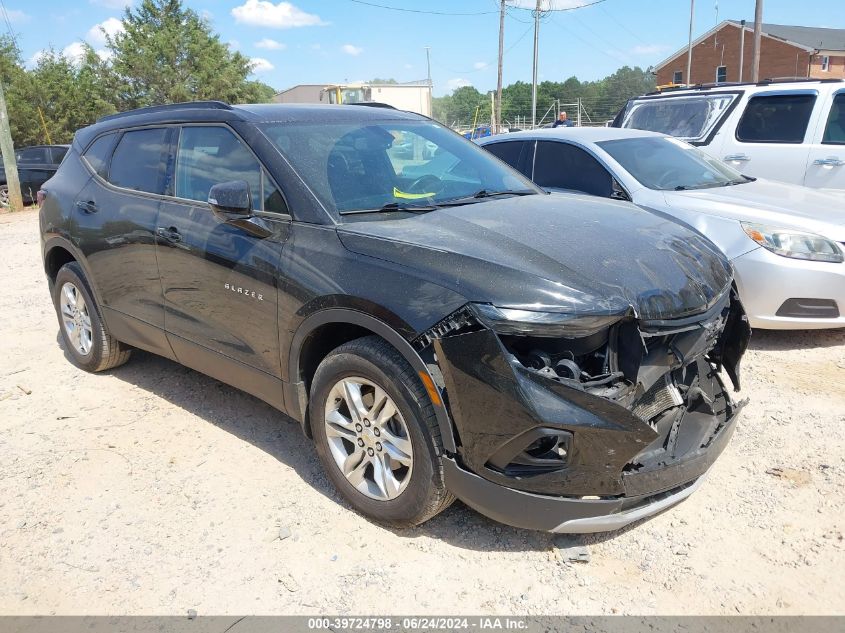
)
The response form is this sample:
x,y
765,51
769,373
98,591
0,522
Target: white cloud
x,y
97,33
649,49
282,15
480,65
233,44
408,67
32,62
261,65
15,15
270,44
349,49
458,82
113,4
75,52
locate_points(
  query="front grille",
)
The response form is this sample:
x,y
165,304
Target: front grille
x,y
661,396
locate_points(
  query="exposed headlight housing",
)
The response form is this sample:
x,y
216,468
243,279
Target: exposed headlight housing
x,y
531,323
794,244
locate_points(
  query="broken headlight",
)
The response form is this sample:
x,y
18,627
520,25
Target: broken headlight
x,y
513,321
794,244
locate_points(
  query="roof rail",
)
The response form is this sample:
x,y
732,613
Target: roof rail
x,y
372,104
730,84
187,105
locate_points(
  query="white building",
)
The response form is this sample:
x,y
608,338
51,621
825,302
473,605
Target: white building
x,y
415,97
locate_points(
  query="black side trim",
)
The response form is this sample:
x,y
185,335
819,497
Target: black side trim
x,y
137,333
342,315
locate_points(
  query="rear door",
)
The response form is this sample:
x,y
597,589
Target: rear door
x,y
219,280
826,159
772,136
116,215
34,169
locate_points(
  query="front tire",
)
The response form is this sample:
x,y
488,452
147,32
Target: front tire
x,y
377,435
85,338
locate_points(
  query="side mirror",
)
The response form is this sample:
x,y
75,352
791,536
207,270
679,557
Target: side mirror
x,y
231,200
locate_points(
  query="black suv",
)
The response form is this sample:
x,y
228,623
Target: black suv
x,y
438,325
36,165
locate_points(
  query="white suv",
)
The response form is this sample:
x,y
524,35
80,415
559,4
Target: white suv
x,y
792,131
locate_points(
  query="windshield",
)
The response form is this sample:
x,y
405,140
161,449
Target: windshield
x,y
363,165
689,118
664,163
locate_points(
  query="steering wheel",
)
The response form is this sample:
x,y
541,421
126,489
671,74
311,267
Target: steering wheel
x,y
426,184
667,177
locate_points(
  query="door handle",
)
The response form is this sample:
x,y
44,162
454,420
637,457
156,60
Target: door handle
x,y
737,158
170,234
831,161
87,206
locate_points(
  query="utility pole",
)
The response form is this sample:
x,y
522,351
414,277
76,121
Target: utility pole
x,y
741,48
430,85
758,32
534,76
498,111
688,78
7,147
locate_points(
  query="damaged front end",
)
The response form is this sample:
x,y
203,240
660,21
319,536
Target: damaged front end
x,y
584,423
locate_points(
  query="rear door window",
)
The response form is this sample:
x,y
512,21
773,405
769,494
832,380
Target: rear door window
x,y
32,156
139,160
508,151
834,131
564,166
781,118
58,154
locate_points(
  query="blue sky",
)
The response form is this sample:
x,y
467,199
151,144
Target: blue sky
x,y
326,41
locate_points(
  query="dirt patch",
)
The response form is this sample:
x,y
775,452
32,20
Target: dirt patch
x,y
153,489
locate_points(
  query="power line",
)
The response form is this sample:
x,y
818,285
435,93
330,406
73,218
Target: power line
x,y
405,10
8,23
507,50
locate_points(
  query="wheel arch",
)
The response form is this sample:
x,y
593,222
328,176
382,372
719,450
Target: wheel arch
x,y
342,325
59,251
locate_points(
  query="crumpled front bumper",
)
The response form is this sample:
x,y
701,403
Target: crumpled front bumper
x,y
618,467
577,515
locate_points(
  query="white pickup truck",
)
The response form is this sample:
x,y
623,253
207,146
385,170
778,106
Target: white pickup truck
x,y
793,131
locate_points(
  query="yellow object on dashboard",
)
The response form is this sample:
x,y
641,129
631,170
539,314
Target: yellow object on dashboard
x,y
410,196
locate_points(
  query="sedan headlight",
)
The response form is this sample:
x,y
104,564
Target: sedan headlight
x,y
532,323
794,244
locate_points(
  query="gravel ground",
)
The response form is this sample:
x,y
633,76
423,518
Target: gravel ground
x,y
152,489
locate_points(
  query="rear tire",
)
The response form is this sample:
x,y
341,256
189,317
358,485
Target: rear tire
x,y
388,469
84,335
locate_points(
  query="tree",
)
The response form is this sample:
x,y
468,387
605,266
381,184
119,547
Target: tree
x,y
167,54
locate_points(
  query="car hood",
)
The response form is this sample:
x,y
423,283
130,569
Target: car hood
x,y
566,253
768,202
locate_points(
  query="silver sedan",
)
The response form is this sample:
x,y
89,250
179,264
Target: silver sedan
x,y
786,242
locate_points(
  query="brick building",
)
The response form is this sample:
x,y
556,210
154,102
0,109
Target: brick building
x,y
785,51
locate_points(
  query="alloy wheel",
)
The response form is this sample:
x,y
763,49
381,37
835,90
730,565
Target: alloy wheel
x,y
4,196
368,438
76,319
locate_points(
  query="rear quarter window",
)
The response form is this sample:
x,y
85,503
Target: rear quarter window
x,y
776,118
139,160
98,152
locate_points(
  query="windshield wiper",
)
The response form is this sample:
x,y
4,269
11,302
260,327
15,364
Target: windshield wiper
x,y
486,193
739,181
393,206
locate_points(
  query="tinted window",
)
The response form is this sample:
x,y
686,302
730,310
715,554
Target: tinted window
x,y
721,74
564,166
834,131
97,154
775,119
33,155
209,155
508,151
139,160
677,77
58,154
365,163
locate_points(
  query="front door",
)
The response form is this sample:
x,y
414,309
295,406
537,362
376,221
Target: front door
x,y
826,162
219,280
